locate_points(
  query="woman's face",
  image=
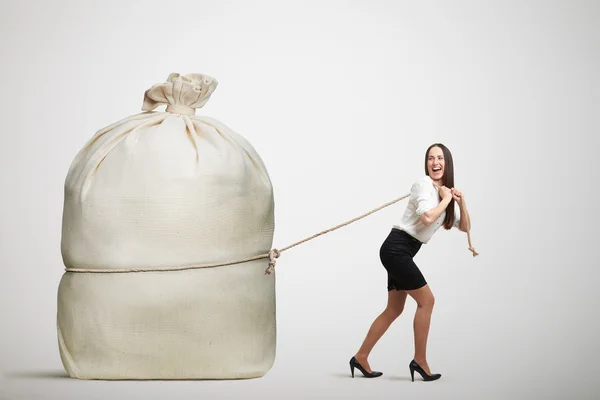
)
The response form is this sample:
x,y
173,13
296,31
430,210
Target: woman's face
x,y
436,163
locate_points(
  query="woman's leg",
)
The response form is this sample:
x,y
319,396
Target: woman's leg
x,y
395,305
425,301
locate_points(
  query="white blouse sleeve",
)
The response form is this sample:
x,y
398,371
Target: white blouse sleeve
x,y
420,194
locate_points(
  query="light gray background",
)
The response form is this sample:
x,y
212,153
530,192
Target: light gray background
x,y
341,99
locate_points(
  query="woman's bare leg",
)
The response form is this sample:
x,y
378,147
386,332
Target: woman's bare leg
x,y
425,301
395,306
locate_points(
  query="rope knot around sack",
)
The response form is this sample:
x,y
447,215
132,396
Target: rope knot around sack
x,y
273,256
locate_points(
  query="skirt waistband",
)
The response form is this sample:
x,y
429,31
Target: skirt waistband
x,y
408,235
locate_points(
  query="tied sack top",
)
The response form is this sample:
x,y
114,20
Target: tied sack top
x,y
181,94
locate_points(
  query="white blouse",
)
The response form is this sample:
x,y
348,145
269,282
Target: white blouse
x,y
423,197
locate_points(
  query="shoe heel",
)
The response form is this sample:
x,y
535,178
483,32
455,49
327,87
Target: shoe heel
x,y
413,366
354,363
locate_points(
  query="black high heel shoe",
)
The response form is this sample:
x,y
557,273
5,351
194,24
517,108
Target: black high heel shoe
x,y
413,366
354,363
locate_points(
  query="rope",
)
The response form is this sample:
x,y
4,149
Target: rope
x,y
471,248
272,255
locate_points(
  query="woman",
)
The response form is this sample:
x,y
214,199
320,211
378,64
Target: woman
x,y
431,205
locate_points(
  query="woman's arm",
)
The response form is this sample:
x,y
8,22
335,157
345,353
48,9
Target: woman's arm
x,y
465,219
429,217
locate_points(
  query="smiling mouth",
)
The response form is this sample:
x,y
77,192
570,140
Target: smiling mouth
x,y
436,169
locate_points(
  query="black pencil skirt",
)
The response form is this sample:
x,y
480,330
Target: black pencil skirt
x,y
396,254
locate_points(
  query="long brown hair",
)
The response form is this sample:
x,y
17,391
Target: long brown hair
x,y
447,180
